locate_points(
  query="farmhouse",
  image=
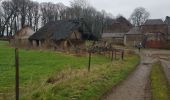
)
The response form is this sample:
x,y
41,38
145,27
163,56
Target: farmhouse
x,y
61,34
114,38
154,26
119,25
21,38
115,32
156,31
133,37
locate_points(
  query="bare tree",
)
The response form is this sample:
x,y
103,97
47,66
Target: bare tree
x,y
139,16
8,12
78,7
95,20
47,11
14,14
23,9
36,15
61,11
1,14
33,14
30,13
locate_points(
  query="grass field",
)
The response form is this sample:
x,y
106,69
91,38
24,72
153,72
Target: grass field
x,y
159,85
50,75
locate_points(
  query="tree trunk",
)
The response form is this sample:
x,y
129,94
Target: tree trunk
x,y
7,32
0,28
22,20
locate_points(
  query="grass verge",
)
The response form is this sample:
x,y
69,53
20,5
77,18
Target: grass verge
x,y
159,85
48,75
79,84
36,66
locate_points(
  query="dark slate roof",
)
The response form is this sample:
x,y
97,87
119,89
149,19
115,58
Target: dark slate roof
x,y
57,30
135,30
154,22
64,29
122,19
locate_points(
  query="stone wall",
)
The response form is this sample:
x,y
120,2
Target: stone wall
x,y
116,41
133,39
25,43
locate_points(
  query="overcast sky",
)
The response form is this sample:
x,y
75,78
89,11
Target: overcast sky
x,y
156,8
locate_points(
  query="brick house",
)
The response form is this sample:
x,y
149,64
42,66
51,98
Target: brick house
x,y
115,32
155,31
154,26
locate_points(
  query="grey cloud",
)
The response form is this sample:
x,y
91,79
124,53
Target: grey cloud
x,y
157,8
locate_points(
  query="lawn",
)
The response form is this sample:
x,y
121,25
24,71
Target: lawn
x,y
159,85
50,75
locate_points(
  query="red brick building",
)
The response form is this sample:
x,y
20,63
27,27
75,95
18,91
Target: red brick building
x,y
155,31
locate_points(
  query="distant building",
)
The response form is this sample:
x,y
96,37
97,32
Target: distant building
x,y
118,25
134,37
21,37
156,40
115,31
154,26
114,38
62,34
155,31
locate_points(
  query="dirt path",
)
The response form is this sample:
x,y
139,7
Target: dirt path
x,y
136,86
166,66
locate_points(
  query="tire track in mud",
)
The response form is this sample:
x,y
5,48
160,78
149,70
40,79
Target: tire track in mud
x,y
166,68
137,84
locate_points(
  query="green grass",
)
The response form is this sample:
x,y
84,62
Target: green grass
x,y
81,85
69,73
159,85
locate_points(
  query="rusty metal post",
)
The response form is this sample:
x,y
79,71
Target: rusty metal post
x,y
17,73
89,61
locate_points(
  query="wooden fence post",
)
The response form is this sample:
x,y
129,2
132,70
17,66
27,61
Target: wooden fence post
x,y
89,61
122,54
115,54
17,73
112,56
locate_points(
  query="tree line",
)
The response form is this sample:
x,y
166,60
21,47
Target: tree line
x,y
15,14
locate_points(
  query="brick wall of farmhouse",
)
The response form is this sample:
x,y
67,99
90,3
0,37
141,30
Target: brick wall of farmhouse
x,y
155,29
